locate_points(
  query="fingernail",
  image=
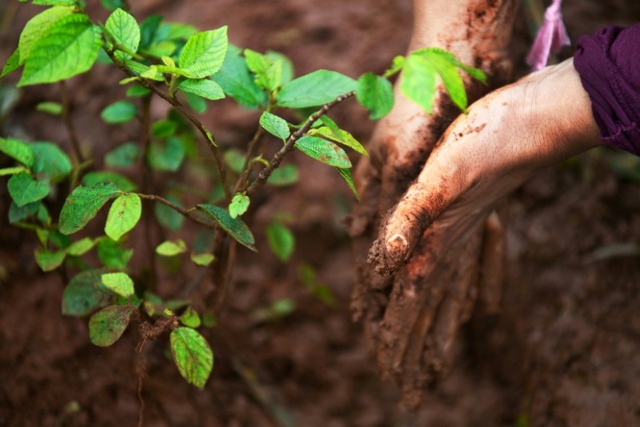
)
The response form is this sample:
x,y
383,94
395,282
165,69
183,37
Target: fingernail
x,y
397,246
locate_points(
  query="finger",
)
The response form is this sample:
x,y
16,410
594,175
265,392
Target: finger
x,y
493,260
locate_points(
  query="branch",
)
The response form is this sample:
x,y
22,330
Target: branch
x,y
178,106
241,183
185,212
291,142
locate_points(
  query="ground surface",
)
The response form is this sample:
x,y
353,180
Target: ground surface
x,y
565,351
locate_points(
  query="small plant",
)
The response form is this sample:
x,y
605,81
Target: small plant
x,y
187,69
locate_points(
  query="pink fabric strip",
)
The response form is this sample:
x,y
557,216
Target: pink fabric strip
x,y
551,37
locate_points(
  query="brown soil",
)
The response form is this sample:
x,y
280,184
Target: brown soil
x,y
563,351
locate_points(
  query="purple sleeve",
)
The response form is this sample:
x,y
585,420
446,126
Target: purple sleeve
x,y
609,66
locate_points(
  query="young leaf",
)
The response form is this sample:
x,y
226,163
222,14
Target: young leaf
x,y
197,103
125,31
53,2
82,295
48,260
52,108
122,156
205,88
17,213
137,91
444,63
324,151
20,151
190,318
287,65
124,214
49,161
13,63
343,137
119,112
82,205
99,177
164,128
112,4
167,217
317,88
166,155
81,246
284,176
348,177
192,356
234,226
111,254
275,125
108,325
419,82
204,53
202,259
375,94
170,248
12,171
268,72
68,48
119,283
281,240
148,30
24,189
37,26
235,80
239,205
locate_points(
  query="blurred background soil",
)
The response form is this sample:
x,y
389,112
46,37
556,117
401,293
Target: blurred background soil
x,y
564,351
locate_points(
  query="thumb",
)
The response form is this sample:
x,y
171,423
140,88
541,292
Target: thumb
x,y
436,188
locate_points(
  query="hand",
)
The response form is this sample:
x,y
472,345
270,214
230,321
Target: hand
x,y
506,137
401,144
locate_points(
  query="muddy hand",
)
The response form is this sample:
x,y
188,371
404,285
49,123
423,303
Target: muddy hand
x,y
400,145
506,137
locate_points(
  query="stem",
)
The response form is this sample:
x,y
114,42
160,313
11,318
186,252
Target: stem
x,y
291,142
185,212
178,106
67,117
147,186
241,183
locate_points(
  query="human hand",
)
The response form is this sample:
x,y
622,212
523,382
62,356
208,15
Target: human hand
x,y
506,137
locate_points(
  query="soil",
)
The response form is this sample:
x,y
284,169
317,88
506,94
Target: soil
x,y
564,350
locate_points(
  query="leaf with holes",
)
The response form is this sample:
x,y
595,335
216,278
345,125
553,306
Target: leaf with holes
x,y
192,356
108,325
24,189
325,151
83,204
83,295
234,226
239,205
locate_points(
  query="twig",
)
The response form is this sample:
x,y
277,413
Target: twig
x,y
291,142
147,184
185,212
241,183
208,136
67,117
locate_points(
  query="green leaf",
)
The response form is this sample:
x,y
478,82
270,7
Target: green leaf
x,y
204,53
284,176
234,226
18,150
36,27
68,48
122,156
375,94
148,30
83,204
163,48
123,216
202,259
137,91
344,138
108,325
144,71
268,72
192,356
52,108
125,31
13,63
112,4
170,248
281,240
324,151
190,318
94,178
168,217
234,159
113,255
348,177
81,246
176,31
419,82
235,80
12,171
82,295
166,155
24,189
197,103
48,260
275,125
119,283
54,2
164,128
239,205
444,63
17,213
287,66
317,88
205,88
119,112
49,161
